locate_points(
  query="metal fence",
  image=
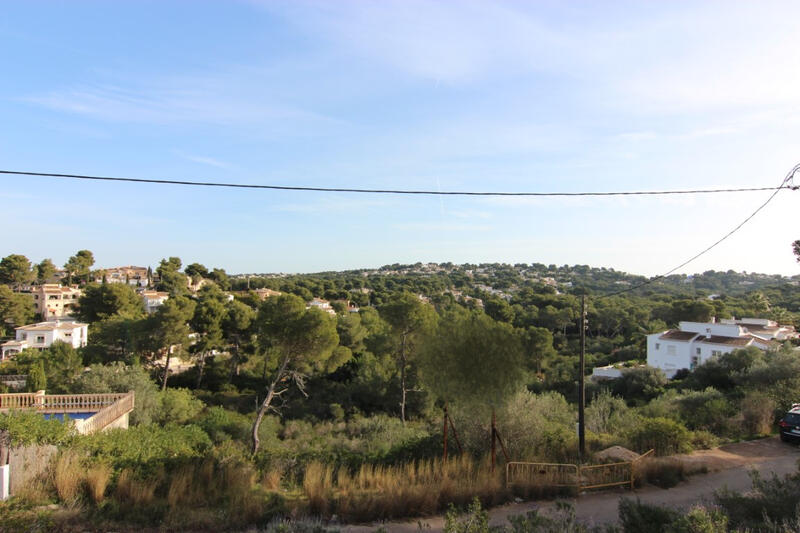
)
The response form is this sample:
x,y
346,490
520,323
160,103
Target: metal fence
x,y
581,478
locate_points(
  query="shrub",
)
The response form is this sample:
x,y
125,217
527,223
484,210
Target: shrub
x,y
118,377
663,435
147,447
638,517
774,499
664,472
641,383
475,520
607,413
757,413
26,428
176,406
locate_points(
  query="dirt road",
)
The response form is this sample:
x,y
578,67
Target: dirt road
x,y
729,467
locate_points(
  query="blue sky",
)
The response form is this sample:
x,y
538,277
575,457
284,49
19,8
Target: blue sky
x,y
497,96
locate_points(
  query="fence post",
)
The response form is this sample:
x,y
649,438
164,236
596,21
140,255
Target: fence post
x,y
38,399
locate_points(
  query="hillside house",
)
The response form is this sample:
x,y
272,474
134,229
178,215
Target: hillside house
x,y
322,305
43,335
55,301
135,276
693,343
153,300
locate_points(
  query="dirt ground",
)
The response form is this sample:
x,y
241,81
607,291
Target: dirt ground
x,y
728,466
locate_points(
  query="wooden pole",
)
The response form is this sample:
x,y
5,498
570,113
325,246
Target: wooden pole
x,y
581,384
444,430
494,437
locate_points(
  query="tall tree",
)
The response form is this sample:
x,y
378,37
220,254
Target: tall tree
x,y
101,302
15,270
237,329
16,310
44,270
171,279
472,359
221,278
296,341
171,328
409,319
196,271
207,322
79,265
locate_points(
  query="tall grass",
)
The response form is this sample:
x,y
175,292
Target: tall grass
x,y
133,491
97,478
68,477
412,489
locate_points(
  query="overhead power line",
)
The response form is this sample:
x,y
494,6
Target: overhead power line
x,y
787,183
388,191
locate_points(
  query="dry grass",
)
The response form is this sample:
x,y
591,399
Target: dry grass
x,y
271,480
412,489
68,477
134,491
664,472
97,478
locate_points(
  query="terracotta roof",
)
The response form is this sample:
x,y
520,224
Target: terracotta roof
x,y
677,335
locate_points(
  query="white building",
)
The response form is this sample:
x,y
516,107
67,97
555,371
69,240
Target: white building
x,y
322,305
764,328
696,342
51,300
43,335
153,300
132,275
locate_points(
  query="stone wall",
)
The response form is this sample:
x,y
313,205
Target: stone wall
x,y
28,462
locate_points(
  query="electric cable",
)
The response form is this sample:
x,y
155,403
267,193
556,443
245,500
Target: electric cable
x,y
385,191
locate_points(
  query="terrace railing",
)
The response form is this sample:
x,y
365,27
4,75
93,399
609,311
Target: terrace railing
x,y
106,416
59,403
107,408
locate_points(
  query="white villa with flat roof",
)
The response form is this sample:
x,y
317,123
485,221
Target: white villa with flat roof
x,y
696,342
43,335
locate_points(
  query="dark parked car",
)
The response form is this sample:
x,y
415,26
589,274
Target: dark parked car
x,y
790,424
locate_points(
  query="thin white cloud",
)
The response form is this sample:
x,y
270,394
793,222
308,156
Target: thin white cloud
x,y
440,226
204,160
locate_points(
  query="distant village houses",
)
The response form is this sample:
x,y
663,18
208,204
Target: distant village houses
x,y
132,275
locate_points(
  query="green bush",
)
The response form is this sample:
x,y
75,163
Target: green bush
x,y
176,406
148,446
26,428
663,435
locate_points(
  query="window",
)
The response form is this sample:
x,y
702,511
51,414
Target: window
x,y
24,336
697,351
671,349
658,346
695,362
40,339
715,352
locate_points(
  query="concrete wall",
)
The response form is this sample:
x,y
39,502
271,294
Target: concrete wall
x,y
28,462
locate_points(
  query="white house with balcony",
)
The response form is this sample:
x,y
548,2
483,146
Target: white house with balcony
x,y
693,343
43,335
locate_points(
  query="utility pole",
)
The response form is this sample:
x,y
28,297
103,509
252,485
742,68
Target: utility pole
x,y
581,385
